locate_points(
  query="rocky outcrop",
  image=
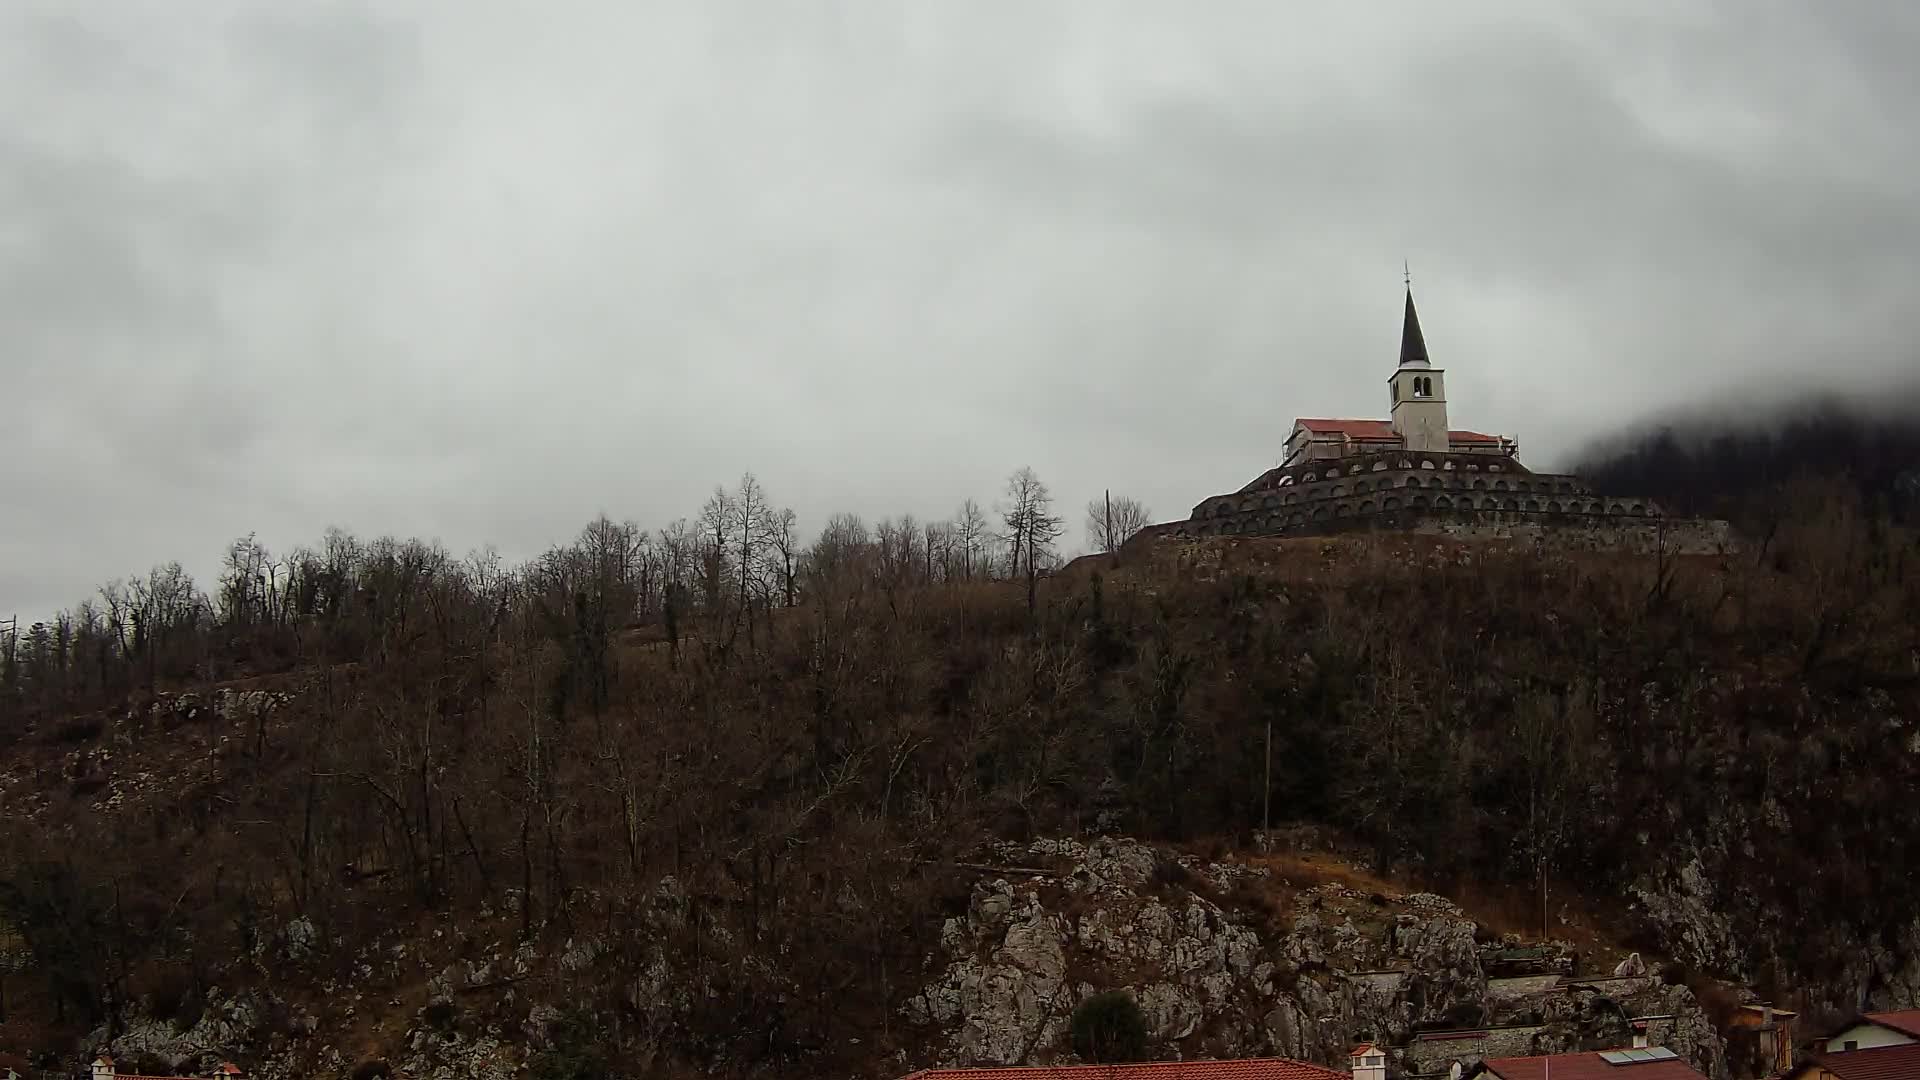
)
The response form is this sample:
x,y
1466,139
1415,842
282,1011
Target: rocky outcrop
x,y
226,1028
1714,906
1224,959
1208,978
1005,991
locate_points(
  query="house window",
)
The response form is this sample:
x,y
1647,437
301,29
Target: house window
x,y
1851,1044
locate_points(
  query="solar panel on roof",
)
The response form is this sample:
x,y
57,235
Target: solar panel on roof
x,y
1638,1056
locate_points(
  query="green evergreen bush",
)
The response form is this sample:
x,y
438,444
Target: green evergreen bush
x,y
1109,1028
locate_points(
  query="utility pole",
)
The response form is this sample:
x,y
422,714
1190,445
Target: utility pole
x,y
1266,792
9,642
1546,920
1107,537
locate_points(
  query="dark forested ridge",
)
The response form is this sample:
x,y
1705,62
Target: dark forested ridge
x,y
1738,463
792,744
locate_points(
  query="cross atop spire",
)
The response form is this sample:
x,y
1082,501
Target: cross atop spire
x,y
1413,345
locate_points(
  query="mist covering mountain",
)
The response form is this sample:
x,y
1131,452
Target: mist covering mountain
x,y
1733,461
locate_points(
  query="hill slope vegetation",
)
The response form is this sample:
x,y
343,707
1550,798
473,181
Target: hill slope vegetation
x,y
803,747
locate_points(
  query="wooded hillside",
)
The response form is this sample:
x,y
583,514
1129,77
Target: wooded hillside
x,y
804,738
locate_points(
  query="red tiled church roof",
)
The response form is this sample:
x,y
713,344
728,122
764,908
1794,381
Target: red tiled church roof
x,y
1381,430
1590,1066
1880,1063
1352,429
1471,436
1248,1069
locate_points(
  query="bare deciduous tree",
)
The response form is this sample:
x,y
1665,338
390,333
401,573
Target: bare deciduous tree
x,y
716,534
1031,527
1113,519
937,546
971,533
783,537
750,529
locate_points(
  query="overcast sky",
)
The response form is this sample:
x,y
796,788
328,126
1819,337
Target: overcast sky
x,y
479,271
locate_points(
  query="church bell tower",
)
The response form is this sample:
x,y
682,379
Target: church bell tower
x,y
1419,391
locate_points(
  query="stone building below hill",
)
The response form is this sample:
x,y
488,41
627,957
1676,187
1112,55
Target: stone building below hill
x,y
1414,472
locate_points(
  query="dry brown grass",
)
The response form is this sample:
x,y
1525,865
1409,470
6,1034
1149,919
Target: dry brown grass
x,y
1587,923
1305,870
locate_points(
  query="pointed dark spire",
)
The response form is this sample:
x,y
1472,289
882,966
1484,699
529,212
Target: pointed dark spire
x,y
1413,346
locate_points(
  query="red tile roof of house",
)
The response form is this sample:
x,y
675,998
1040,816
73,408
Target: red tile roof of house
x,y
1880,1063
1589,1066
1906,1021
1381,430
227,1068
1246,1069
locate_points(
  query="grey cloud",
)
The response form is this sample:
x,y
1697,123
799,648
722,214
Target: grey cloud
x,y
454,270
